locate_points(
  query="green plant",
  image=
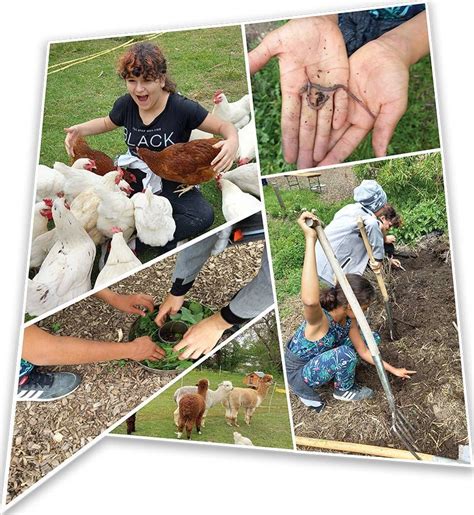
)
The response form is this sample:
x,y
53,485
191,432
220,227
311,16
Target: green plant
x,y
191,313
415,187
56,327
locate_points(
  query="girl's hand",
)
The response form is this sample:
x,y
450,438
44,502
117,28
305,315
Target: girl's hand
x,y
144,348
72,133
202,337
170,306
134,303
225,158
403,373
395,263
390,238
309,232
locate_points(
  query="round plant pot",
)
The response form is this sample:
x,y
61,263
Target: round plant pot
x,y
172,332
134,333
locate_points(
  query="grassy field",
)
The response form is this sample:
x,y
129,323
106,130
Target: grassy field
x,y
417,130
270,425
199,61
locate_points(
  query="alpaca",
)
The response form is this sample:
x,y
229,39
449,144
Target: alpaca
x,y
213,397
131,424
246,398
191,409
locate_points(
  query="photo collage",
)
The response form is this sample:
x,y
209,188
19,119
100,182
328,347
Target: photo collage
x,y
240,237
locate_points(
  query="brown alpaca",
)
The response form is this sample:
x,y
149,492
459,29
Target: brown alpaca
x,y
131,424
248,399
191,409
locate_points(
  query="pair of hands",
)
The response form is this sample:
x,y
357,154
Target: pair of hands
x,y
198,339
136,304
313,49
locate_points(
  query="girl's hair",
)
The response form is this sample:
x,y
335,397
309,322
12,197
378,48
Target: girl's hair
x,y
391,215
145,59
331,298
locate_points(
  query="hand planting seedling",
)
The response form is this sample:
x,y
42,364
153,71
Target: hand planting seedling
x,y
169,334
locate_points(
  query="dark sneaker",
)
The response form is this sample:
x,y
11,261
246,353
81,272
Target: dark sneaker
x,y
356,393
40,386
313,404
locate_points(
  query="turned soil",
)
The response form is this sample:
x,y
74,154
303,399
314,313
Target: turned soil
x,y
423,306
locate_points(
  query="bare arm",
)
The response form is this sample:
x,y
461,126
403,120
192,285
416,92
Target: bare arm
x,y
364,353
127,303
313,312
410,39
228,146
42,348
90,128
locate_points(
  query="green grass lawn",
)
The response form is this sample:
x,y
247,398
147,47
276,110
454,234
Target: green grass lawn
x,y
417,130
199,61
270,425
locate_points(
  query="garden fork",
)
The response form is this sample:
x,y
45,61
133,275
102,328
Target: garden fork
x,y
378,275
400,426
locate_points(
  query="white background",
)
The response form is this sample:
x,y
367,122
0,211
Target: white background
x,y
120,476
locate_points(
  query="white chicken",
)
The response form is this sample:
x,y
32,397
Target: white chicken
x,y
241,440
49,182
66,271
77,180
85,209
247,144
235,203
41,216
153,218
85,206
246,178
41,246
237,113
115,210
121,260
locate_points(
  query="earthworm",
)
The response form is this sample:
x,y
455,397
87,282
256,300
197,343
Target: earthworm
x,y
322,95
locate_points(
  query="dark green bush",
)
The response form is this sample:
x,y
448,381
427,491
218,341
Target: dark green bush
x,y
415,187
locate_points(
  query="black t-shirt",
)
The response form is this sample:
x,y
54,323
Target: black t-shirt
x,y
173,125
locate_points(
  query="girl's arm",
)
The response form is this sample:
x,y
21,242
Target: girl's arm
x,y
127,303
313,313
229,145
363,351
43,348
90,128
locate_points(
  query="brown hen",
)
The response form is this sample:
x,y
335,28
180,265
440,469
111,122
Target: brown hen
x,y
103,163
188,163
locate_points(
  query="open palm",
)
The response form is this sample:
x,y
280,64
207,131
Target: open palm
x,y
309,49
379,77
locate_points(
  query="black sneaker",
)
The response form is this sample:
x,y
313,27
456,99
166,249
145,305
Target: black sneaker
x,y
40,386
316,405
356,393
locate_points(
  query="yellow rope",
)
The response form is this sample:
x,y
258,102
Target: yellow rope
x,y
67,64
